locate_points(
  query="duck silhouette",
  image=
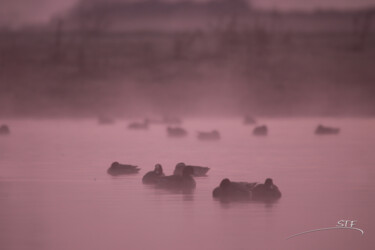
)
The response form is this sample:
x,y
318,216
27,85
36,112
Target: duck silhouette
x,y
153,177
120,169
4,130
176,132
266,192
260,130
230,190
208,136
324,130
197,170
184,181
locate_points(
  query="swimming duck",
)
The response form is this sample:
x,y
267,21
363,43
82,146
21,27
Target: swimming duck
x,y
267,191
197,170
153,177
260,130
176,132
105,120
179,182
118,169
323,130
209,136
4,129
248,120
139,125
230,190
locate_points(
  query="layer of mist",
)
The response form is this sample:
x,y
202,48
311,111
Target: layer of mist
x,y
189,58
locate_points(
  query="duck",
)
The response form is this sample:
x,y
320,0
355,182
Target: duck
x,y
139,125
260,130
266,192
119,169
230,190
209,136
4,130
178,182
153,177
198,171
324,130
105,120
249,120
176,132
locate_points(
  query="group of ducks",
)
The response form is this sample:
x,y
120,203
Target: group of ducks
x,y
183,179
173,129
178,131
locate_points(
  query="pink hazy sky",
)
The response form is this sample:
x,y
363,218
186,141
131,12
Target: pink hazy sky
x,y
26,11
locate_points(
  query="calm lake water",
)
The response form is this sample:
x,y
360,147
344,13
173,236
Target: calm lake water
x,y
55,192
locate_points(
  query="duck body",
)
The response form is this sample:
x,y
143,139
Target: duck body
x,y
246,191
198,171
4,130
248,120
178,182
323,130
105,120
139,125
176,132
154,176
266,192
209,136
260,130
120,169
230,190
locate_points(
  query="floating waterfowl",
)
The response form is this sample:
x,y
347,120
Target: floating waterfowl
x,y
260,130
4,130
198,171
266,192
323,130
248,120
229,190
178,182
176,132
154,176
139,125
119,169
105,120
209,136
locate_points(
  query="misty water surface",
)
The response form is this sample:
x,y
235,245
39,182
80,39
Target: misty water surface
x,y
55,192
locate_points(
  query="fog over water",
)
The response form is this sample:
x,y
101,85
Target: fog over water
x,y
56,194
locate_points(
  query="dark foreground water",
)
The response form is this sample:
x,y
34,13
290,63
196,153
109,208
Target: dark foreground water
x,y
55,192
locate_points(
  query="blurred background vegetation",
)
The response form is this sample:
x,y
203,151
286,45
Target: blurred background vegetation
x,y
221,57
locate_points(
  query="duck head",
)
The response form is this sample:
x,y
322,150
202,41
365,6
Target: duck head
x,y
268,182
115,164
180,165
158,169
225,183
